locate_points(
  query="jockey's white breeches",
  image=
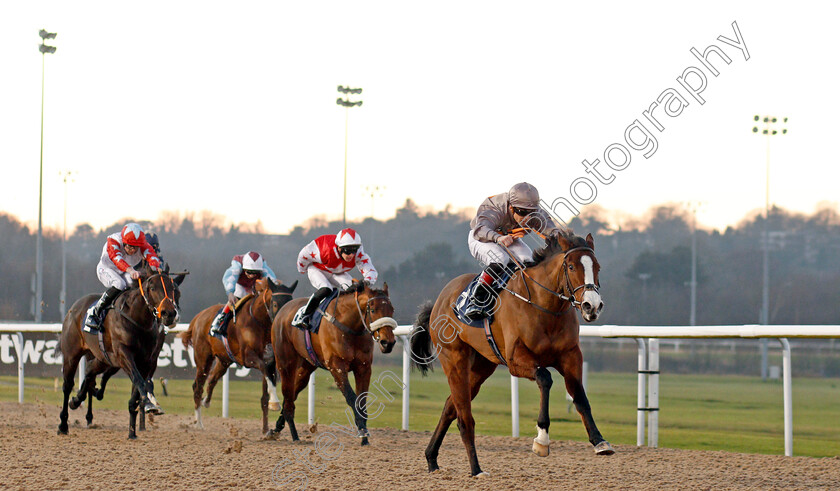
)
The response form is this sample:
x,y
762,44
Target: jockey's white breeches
x,y
491,252
320,278
113,277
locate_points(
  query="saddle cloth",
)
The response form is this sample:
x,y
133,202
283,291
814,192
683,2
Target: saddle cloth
x,y
315,322
463,300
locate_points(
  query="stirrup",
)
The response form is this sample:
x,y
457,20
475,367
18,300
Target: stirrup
x,y
93,324
301,320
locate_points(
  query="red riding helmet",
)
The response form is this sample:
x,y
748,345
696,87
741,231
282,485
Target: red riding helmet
x,y
132,234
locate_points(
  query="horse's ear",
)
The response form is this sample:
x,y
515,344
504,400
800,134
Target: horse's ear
x,y
563,242
294,285
179,279
166,269
590,242
385,287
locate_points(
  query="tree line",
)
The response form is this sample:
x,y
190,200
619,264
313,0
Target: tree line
x,y
645,264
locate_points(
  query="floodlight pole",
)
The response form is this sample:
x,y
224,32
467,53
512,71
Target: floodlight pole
x,y
63,298
347,105
39,247
769,122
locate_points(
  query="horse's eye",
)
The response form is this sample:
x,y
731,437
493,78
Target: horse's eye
x,y
571,267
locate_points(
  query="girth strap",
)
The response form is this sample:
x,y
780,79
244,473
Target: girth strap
x,y
307,336
490,339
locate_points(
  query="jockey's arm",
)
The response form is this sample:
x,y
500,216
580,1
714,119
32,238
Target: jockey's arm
x,y
267,272
366,268
231,276
305,257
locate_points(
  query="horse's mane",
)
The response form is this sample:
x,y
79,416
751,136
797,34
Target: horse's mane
x,y
553,245
358,286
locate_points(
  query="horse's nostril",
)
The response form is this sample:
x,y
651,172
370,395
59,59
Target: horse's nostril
x,y
601,307
587,306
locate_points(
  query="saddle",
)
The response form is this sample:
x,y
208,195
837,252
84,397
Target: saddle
x,y
465,298
315,321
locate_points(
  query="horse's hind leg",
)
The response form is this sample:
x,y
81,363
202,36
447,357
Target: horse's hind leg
x,y
100,392
216,374
572,370
480,369
292,382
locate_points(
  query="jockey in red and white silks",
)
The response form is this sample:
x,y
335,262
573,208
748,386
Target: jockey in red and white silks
x,y
239,280
327,260
122,251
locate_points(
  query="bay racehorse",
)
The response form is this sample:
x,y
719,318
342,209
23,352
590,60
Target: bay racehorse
x,y
248,335
132,336
344,344
535,327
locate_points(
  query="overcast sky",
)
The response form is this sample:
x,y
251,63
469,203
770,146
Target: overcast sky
x,y
230,107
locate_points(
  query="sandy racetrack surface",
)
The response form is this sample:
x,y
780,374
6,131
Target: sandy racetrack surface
x,y
172,454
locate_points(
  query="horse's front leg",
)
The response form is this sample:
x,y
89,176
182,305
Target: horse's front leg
x,y
524,364
138,394
542,442
343,384
361,373
572,370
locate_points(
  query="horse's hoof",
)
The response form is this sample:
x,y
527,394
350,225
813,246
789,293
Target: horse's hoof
x,y
604,448
205,403
365,441
99,394
62,431
274,406
540,449
132,436
481,474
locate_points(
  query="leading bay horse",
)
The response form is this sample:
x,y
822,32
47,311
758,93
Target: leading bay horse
x,y
247,336
535,327
342,345
132,333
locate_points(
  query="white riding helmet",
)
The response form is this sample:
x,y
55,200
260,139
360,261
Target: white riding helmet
x,y
348,237
252,261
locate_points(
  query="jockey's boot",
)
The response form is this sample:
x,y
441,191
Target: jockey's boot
x,y
312,305
218,328
96,313
484,294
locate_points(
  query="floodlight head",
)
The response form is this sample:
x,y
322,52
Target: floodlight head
x,y
766,119
755,118
47,35
785,120
755,129
784,131
764,132
46,49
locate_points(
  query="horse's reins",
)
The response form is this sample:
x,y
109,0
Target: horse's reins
x,y
156,311
571,299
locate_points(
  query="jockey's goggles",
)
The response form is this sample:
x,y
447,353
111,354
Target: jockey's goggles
x,y
523,212
252,272
348,249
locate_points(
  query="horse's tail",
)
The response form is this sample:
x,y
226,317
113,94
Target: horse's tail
x,y
186,336
421,340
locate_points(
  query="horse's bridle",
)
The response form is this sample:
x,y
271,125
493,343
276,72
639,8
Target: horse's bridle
x,y
375,325
268,309
566,286
156,311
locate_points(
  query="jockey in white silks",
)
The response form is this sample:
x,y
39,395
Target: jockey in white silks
x,y
122,251
326,261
